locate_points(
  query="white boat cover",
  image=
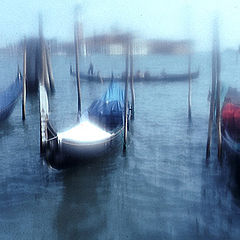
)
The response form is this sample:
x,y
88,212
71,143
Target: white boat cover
x,y
84,132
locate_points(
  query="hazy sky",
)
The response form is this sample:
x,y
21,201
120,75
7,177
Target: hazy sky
x,y
169,19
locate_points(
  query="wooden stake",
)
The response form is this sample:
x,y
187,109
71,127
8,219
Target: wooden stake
x,y
49,69
189,86
132,82
76,41
212,104
45,69
126,97
218,107
24,82
41,49
44,112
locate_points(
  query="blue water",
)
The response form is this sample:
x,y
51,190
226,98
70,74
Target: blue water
x,y
160,189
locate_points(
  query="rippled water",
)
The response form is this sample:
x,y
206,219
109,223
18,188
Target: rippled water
x,y
159,189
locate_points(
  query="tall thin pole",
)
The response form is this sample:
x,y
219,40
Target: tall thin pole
x,y
45,67
41,48
189,86
49,69
76,41
212,104
132,81
218,107
24,82
126,96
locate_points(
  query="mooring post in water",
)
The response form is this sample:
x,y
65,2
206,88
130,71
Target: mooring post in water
x,y
126,96
212,103
45,68
218,105
49,69
76,43
24,81
44,111
189,86
132,80
41,53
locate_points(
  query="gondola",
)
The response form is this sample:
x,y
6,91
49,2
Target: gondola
x,y
230,123
9,97
230,116
146,77
99,131
168,77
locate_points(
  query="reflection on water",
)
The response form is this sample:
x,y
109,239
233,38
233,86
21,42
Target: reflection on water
x,y
82,211
160,188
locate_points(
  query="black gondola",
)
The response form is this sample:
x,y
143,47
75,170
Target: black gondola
x,y
9,97
139,78
99,132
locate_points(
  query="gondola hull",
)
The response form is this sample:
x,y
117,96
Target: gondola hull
x,y
9,98
64,153
6,112
91,150
232,153
148,78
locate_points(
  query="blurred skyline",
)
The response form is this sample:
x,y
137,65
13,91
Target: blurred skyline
x,y
147,19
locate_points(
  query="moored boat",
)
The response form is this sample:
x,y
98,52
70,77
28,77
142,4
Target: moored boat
x,y
9,97
99,131
230,116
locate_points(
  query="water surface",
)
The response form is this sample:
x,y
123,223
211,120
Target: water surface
x,y
159,189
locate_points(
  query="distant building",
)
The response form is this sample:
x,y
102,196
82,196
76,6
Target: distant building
x,y
113,43
115,49
107,44
169,47
140,47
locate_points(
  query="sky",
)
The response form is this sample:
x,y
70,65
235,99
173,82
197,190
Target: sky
x,y
166,19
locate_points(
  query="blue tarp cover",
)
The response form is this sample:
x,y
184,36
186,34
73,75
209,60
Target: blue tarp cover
x,y
108,110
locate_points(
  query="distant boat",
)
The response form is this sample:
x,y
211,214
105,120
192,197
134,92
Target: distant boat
x,y
99,131
9,97
168,77
230,116
146,77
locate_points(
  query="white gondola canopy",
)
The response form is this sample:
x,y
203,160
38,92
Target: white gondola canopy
x,y
84,132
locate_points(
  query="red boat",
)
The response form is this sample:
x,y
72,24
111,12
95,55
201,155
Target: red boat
x,y
230,116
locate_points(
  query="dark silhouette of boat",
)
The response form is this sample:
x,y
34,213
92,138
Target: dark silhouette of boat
x,y
9,97
146,77
167,77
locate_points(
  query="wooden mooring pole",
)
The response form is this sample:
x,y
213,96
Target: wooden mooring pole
x,y
212,104
132,81
218,106
43,117
189,86
49,69
24,82
45,69
126,96
76,43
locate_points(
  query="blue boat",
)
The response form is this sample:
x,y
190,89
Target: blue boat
x,y
9,97
102,123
